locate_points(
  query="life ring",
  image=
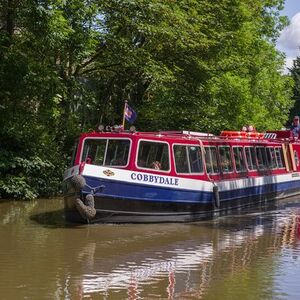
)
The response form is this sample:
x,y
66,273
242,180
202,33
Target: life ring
x,y
255,135
242,134
234,134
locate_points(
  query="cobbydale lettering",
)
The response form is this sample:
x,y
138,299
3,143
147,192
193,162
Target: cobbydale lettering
x,y
154,179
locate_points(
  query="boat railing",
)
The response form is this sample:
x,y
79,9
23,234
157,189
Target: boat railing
x,y
279,135
270,135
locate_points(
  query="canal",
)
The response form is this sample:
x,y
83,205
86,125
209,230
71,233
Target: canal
x,y
251,255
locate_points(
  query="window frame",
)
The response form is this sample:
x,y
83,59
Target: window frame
x,y
255,164
75,149
281,157
152,141
230,152
107,138
296,158
265,168
244,157
201,154
217,157
270,163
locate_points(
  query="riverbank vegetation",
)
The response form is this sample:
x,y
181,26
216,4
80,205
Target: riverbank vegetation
x,y
67,66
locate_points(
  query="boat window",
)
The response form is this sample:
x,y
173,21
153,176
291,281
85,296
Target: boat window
x,y
225,159
261,158
211,161
117,153
296,158
271,157
106,152
188,159
251,158
239,159
153,155
279,157
74,152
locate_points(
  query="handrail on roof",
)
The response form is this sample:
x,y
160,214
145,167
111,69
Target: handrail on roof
x,y
186,132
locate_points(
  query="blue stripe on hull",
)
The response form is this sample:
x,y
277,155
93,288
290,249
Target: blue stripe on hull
x,y
119,189
260,190
124,190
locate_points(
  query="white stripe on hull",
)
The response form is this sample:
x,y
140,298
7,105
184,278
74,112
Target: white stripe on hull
x,y
171,182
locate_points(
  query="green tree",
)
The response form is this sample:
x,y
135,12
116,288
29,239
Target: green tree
x,y
239,69
295,74
66,66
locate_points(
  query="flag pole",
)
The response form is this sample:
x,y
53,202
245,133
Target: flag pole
x,y
123,122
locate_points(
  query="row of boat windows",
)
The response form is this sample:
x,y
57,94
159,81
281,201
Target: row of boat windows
x,y
188,158
219,159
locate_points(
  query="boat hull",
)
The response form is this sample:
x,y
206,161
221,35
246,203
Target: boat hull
x,y
119,198
113,210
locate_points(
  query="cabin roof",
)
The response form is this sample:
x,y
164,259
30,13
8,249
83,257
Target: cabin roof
x,y
184,135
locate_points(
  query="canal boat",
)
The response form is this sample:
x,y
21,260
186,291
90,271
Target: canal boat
x,y
120,176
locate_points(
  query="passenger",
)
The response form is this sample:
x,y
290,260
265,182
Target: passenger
x,y
296,127
225,166
248,128
251,128
156,165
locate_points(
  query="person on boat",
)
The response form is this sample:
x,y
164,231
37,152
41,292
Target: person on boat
x,y
251,128
248,128
88,160
156,165
296,126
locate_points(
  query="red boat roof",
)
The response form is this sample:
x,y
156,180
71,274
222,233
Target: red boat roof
x,y
274,136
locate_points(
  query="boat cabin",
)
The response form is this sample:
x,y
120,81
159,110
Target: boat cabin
x,y
177,176
233,154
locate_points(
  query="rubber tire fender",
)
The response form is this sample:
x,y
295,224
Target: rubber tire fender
x,y
216,196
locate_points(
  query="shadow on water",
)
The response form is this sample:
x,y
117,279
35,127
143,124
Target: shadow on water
x,y
52,219
235,219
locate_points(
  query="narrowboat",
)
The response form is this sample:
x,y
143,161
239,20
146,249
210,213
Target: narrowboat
x,y
120,176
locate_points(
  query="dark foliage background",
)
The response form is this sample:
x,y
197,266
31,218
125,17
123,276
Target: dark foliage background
x,y
66,66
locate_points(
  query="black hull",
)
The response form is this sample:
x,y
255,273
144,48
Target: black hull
x,y
110,210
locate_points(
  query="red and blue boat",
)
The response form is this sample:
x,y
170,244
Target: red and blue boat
x,y
177,176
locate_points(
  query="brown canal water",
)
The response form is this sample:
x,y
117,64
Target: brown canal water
x,y
254,255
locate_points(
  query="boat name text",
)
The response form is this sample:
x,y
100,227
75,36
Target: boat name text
x,y
154,179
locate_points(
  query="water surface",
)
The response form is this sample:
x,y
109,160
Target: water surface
x,y
254,255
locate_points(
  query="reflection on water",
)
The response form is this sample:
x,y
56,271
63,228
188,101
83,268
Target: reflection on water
x,y
254,255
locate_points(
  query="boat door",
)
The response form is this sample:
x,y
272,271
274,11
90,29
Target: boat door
x,y
289,158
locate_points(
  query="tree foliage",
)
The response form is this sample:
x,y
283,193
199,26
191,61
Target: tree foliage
x,y
295,74
66,66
